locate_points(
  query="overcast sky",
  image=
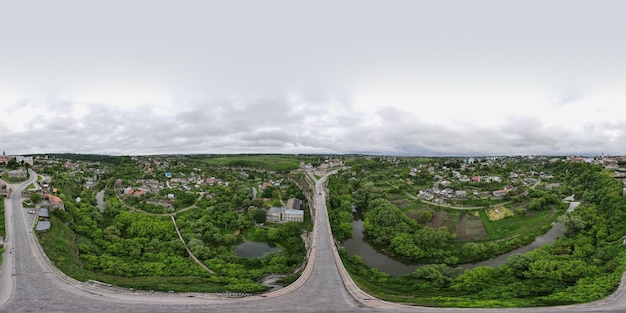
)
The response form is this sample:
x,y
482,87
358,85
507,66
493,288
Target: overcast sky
x,y
385,77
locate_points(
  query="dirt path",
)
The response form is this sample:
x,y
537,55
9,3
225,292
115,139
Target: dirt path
x,y
191,255
172,215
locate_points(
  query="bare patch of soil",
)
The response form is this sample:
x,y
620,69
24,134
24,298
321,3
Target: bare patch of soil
x,y
401,203
474,229
461,227
438,219
413,214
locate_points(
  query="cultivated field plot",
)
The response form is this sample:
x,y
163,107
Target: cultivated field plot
x,y
401,203
438,219
467,226
471,227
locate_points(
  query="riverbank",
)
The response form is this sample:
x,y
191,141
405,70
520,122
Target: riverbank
x,y
357,245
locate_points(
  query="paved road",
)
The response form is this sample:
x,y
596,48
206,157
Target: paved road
x,y
28,283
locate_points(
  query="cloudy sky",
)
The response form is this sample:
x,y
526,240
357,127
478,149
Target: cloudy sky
x,y
351,76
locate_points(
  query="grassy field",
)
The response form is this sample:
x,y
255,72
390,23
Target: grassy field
x,y
512,225
274,162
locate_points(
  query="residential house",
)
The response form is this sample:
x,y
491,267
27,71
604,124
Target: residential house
x,y
499,193
52,202
447,192
425,194
139,193
460,193
5,159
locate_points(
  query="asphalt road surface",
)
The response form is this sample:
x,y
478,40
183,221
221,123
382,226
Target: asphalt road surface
x,y
29,283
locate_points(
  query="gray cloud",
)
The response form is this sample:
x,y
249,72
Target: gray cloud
x,y
399,77
281,125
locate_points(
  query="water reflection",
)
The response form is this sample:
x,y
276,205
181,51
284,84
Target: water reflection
x,y
372,258
251,249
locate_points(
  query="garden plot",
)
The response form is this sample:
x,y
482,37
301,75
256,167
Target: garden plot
x,y
471,227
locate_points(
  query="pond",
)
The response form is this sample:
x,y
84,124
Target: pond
x,y
252,249
372,258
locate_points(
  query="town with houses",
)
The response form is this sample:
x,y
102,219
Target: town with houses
x,y
450,185
159,184
445,177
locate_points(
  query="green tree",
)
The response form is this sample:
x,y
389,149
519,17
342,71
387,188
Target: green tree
x,y
475,279
35,197
573,223
257,215
426,217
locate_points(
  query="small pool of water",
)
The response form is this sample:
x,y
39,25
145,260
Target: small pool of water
x,y
251,249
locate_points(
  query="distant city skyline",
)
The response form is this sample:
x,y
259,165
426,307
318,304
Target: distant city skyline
x,y
439,78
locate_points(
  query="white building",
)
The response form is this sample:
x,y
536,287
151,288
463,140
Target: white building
x,y
27,160
292,213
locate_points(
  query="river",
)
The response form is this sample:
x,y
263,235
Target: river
x,y
372,258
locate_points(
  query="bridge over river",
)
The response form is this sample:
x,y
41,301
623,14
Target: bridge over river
x,y
30,283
